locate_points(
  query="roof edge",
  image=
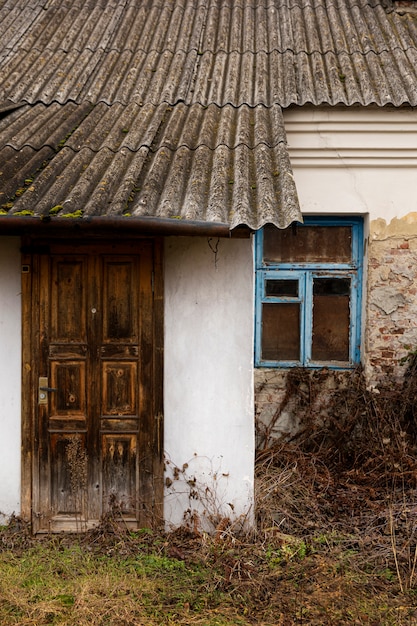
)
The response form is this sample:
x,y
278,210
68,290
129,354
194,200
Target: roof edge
x,y
21,225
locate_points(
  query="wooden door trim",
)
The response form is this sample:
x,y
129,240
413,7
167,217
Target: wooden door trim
x,y
30,321
158,384
32,251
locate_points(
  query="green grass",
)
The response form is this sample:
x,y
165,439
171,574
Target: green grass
x,y
132,579
51,584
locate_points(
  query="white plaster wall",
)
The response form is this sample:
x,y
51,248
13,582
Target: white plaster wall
x,y
209,376
354,160
10,375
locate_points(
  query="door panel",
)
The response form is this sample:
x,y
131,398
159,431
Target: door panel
x,y
69,378
119,474
119,388
68,485
120,300
94,430
68,294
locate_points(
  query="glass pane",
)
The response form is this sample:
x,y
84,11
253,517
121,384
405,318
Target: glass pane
x,y
281,332
308,244
285,288
331,318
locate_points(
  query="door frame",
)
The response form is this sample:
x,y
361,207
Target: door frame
x,y
32,249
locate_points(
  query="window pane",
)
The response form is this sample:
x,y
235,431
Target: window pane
x,y
285,288
331,307
281,332
308,244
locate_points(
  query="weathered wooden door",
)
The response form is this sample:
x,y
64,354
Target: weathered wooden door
x,y
97,439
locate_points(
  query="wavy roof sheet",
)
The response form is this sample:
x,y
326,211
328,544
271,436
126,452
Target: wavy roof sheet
x,y
172,108
187,162
208,51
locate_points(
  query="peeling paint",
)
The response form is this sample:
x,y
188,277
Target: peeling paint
x,y
405,226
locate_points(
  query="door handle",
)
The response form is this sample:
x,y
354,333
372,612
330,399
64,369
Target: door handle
x,y
43,390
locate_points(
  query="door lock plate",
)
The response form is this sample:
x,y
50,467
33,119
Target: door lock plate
x,y
42,393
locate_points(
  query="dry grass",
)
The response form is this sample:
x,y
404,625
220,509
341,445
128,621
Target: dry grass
x,y
335,541
269,578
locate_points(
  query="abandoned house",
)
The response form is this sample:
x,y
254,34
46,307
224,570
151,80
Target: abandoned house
x,y
195,197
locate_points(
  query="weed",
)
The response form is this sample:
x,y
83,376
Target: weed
x,y
387,574
291,548
77,461
208,508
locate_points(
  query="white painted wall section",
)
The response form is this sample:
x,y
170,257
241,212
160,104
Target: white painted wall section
x,y
354,160
10,375
209,403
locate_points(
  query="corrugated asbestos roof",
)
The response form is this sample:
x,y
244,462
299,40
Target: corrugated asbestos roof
x,y
207,51
172,108
212,164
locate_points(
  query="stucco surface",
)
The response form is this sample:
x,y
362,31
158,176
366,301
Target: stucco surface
x,y
209,374
10,375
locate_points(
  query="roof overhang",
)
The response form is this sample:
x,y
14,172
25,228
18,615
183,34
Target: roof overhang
x,y
114,226
177,169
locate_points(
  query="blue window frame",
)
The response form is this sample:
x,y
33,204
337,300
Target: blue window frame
x,y
308,293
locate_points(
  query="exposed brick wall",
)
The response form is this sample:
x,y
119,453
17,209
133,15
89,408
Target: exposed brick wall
x,y
276,410
391,312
